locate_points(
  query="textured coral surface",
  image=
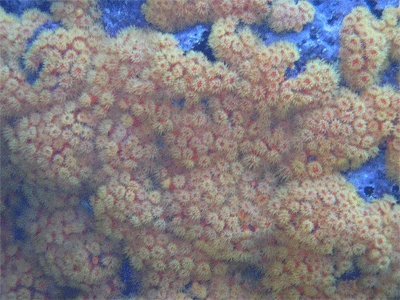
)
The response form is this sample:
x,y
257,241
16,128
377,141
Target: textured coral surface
x,y
198,171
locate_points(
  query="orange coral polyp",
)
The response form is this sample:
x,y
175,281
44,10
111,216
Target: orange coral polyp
x,y
356,62
314,169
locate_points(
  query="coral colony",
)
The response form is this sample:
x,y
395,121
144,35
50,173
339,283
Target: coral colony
x,y
214,178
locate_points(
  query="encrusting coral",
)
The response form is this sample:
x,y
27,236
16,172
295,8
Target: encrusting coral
x,y
244,172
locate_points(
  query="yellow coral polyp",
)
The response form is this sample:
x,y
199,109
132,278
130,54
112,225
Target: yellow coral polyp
x,y
203,271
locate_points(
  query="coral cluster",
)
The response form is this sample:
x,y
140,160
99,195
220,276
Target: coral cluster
x,y
286,15
70,255
365,44
283,15
20,278
197,170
